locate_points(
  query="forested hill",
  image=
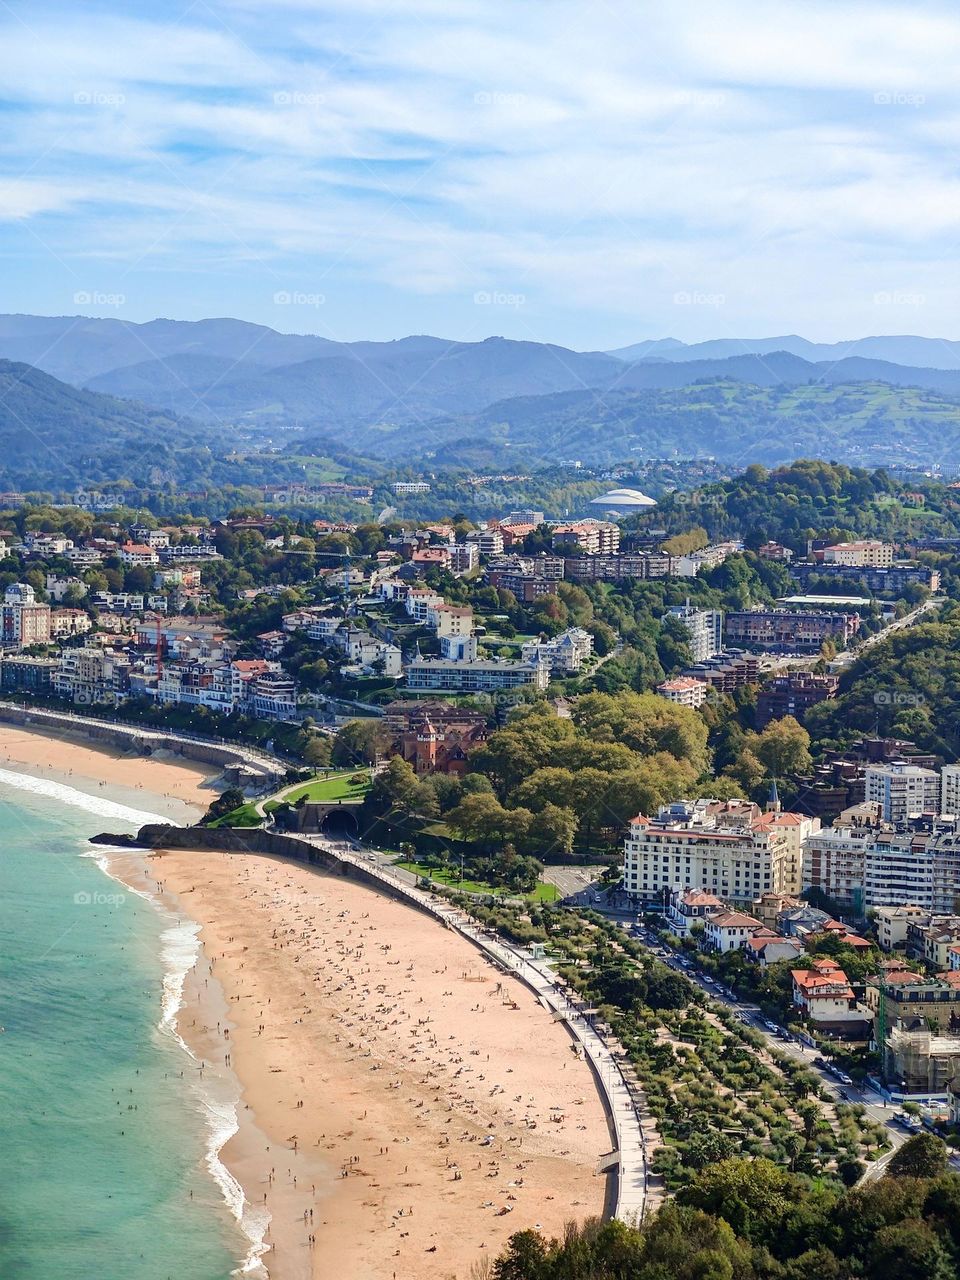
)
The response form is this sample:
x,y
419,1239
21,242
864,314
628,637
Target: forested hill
x,y
55,435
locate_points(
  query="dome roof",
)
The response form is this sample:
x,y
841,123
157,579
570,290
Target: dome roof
x,y
623,498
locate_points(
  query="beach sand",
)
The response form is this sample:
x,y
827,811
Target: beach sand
x,y
170,785
419,1105
402,1103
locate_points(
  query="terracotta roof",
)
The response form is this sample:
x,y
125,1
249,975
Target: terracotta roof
x,y
732,920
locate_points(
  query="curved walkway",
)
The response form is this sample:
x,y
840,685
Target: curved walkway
x,y
607,1058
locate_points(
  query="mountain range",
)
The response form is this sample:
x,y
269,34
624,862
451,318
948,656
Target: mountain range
x,y
81,396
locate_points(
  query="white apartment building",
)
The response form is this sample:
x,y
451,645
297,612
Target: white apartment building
x,y
419,602
950,789
886,868
718,846
870,553
565,654
902,789
136,553
684,690
480,676
704,629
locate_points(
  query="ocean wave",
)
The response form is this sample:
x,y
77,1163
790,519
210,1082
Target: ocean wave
x,y
99,805
180,950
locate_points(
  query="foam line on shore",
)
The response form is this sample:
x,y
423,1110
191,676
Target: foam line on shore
x,y
180,950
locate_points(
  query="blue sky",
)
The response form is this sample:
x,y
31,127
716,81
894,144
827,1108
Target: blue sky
x,y
584,173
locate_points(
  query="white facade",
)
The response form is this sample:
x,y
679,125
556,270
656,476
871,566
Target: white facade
x,y
710,845
684,690
901,789
704,628
950,789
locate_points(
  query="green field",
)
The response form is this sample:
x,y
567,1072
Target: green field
x,y
347,784
450,878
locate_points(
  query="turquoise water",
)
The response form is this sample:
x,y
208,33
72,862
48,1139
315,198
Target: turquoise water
x,y
104,1132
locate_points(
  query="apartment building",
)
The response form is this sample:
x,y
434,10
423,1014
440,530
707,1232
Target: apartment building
x,y
869,553
23,620
589,537
950,789
887,867
790,630
684,690
704,628
617,568
481,676
793,695
135,554
565,654
720,847
902,789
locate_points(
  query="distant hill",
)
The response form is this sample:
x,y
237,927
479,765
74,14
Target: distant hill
x,y
866,423
924,353
57,436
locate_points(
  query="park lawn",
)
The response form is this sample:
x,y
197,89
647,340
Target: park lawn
x,y
337,786
244,816
450,878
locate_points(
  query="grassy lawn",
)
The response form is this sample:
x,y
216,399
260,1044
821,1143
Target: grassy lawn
x,y
451,878
337,786
245,816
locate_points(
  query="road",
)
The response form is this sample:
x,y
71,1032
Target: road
x,y
875,1105
577,883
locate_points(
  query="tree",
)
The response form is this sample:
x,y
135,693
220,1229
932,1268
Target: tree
x,y
783,748
753,1196
552,831
923,1156
357,742
316,751
909,1251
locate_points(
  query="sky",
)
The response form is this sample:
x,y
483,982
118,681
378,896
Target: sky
x,y
591,174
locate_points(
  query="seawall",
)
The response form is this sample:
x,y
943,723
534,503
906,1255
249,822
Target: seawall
x,y
145,741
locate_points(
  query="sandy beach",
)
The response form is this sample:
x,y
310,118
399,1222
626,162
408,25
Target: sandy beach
x,y
405,1108
167,784
413,1108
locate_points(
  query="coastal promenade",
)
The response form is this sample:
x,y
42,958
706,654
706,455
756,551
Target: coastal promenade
x,y
140,737
633,1197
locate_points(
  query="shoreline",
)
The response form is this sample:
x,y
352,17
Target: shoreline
x,y
135,789
369,1104
409,1107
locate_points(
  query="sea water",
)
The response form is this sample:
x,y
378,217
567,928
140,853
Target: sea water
x,y
108,1134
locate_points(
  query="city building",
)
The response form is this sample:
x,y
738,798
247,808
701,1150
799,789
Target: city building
x,y
684,690
728,930
871,553
435,737
587,537
480,676
867,868
704,628
950,789
689,907
793,695
790,630
403,487
564,654
23,620
922,1063
902,789
823,993
721,847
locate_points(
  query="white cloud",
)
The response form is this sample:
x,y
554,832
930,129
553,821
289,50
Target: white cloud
x,y
604,155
